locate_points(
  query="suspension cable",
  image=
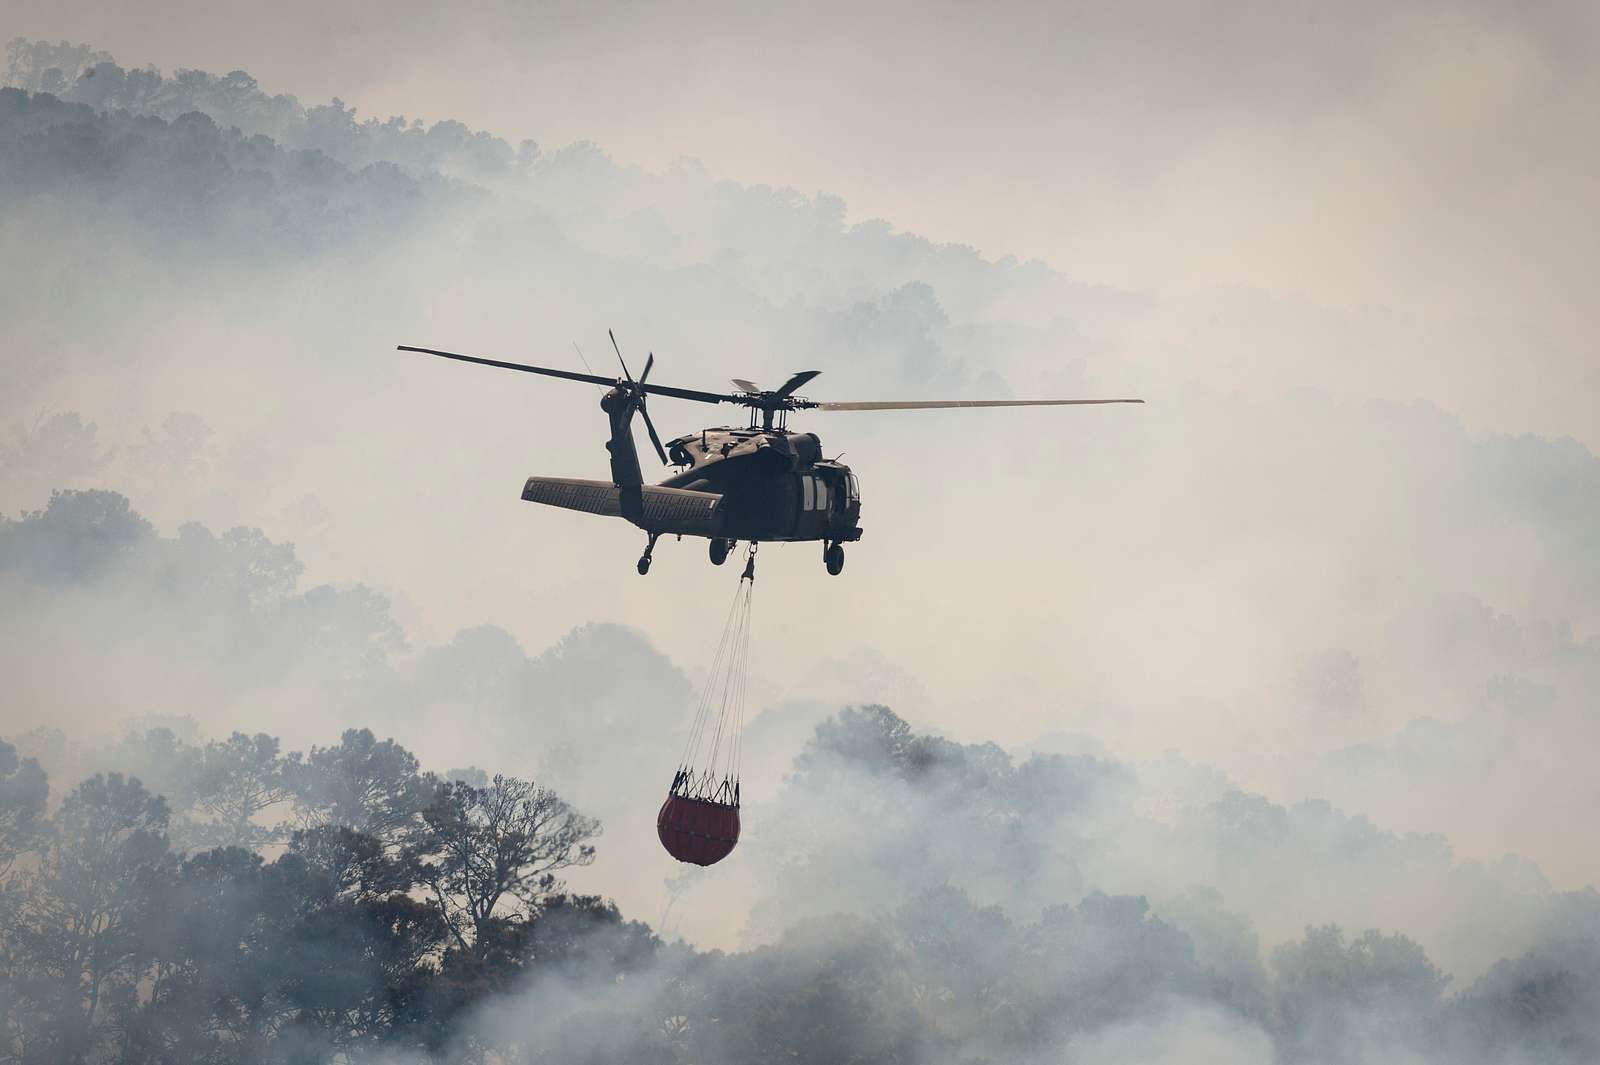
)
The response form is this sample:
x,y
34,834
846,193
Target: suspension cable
x,y
712,753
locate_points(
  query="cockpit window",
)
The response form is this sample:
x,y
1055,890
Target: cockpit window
x,y
854,488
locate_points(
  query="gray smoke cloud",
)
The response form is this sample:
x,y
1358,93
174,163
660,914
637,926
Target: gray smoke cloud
x,y
1309,640
1383,199
1335,534
900,894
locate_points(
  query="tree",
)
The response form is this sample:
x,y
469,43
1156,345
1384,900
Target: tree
x,y
874,737
1543,1006
479,847
351,950
211,990
78,537
236,780
23,791
375,787
1098,962
27,61
162,757
1382,988
82,926
56,450
322,951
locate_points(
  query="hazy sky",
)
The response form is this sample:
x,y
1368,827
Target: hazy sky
x,y
1431,160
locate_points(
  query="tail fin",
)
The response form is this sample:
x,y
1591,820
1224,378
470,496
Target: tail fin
x,y
619,407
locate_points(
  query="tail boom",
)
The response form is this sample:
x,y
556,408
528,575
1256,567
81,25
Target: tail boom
x,y
669,511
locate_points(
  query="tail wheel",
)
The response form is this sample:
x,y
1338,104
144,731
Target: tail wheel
x,y
833,558
649,549
719,550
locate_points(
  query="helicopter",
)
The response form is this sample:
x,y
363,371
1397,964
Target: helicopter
x,y
759,482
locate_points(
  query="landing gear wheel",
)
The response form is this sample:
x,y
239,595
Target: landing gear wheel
x,y
644,565
833,558
719,550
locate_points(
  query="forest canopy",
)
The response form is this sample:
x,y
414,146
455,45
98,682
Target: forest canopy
x,y
173,897
346,904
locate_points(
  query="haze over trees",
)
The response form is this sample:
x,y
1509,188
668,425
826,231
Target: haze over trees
x,y
79,74
116,946
442,929
915,898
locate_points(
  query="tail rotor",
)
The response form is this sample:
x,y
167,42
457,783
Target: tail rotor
x,y
637,392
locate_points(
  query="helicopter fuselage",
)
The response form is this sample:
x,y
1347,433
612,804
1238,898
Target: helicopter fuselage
x,y
751,484
774,484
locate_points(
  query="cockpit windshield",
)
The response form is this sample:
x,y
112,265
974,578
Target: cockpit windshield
x,y
853,486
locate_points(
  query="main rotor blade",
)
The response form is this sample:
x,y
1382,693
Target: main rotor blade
x,y
745,386
568,375
649,362
940,404
688,393
795,382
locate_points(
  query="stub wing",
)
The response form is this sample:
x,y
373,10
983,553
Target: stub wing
x,y
662,510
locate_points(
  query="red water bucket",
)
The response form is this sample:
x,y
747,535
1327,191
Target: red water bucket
x,y
697,831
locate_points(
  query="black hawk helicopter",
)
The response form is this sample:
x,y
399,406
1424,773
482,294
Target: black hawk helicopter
x,y
756,483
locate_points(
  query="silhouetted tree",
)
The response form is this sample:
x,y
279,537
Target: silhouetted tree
x,y
480,847
354,950
79,536
373,786
164,762
1543,1006
1348,1000
212,991
23,792
82,929
235,781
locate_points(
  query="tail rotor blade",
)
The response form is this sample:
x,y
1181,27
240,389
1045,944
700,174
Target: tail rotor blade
x,y
620,359
650,427
639,394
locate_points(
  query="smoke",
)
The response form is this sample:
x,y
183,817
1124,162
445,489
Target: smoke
x,y
847,814
1300,581
1309,640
